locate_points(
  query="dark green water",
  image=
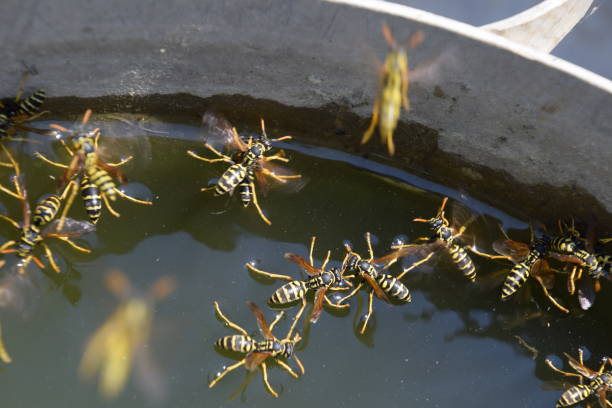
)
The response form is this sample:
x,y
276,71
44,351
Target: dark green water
x,y
453,346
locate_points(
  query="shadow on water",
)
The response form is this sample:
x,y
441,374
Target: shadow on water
x,y
451,327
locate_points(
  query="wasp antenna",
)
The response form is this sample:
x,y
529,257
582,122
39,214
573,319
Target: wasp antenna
x,y
86,116
388,36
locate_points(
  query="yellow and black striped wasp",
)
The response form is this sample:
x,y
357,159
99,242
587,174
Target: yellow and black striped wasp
x,y
320,280
15,112
257,352
569,246
42,225
386,287
123,340
88,173
599,382
444,235
393,92
529,260
247,165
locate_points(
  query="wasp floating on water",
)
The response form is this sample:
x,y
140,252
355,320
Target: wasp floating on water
x,y
247,165
123,339
599,382
257,352
320,280
444,235
40,226
88,173
15,112
393,93
384,285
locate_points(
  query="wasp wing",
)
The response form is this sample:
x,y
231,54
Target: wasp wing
x,y
220,134
261,320
301,262
318,305
379,292
580,368
253,360
514,250
70,228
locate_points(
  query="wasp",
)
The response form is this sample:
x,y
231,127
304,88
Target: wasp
x,y
89,173
247,165
13,113
320,280
384,285
599,382
122,340
444,235
257,352
393,92
41,225
569,247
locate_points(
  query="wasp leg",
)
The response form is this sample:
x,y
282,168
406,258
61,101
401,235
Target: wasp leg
x,y
264,371
404,89
571,280
605,240
12,221
280,179
605,361
370,250
49,161
109,207
326,260
72,244
276,319
277,157
388,137
484,254
256,203
228,322
299,363
367,318
286,367
350,295
368,133
204,159
280,139
310,258
69,202
121,162
565,373
334,305
296,319
268,274
227,370
553,301
132,199
414,265
9,156
49,255
66,147
4,355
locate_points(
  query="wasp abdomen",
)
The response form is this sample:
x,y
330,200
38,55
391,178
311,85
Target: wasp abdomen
x,y
32,103
463,261
393,288
230,179
92,199
237,342
102,180
46,210
289,292
574,395
515,279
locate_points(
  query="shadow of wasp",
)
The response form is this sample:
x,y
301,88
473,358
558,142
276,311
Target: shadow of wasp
x,y
247,165
257,352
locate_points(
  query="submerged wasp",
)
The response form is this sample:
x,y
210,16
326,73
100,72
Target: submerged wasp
x,y
393,92
599,382
384,285
14,112
41,225
444,235
247,165
320,280
123,340
89,173
257,352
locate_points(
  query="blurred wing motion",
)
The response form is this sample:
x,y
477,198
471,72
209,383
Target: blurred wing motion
x,y
149,376
71,228
514,250
220,134
112,348
120,135
289,182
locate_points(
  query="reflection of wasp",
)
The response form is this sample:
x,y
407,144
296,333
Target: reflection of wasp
x,y
529,260
94,177
384,285
445,235
319,280
13,113
600,382
393,93
247,165
40,226
259,351
123,338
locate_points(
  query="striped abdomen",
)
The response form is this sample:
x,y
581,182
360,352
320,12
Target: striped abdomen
x,y
46,210
244,188
574,395
590,261
230,179
28,240
289,292
92,199
5,125
516,278
100,178
463,261
32,103
564,244
237,342
395,289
